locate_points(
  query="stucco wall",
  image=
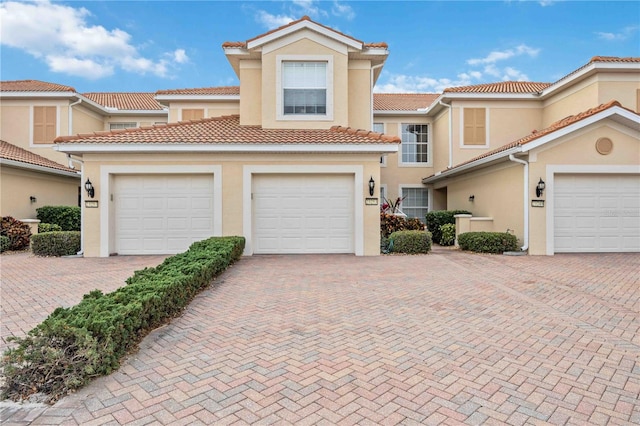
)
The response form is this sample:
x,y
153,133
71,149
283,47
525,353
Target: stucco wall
x,y
359,94
250,93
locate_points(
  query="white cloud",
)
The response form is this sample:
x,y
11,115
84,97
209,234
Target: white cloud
x,y
621,35
308,7
343,10
402,83
273,21
298,8
498,55
67,43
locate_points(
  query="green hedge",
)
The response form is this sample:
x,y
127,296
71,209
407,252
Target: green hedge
x,y
48,227
57,243
435,219
67,217
5,242
87,340
448,232
410,242
488,242
390,223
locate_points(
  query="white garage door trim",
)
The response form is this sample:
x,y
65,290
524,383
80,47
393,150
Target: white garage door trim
x,y
106,172
247,184
553,170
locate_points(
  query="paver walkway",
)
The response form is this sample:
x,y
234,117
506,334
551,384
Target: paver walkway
x,y
447,338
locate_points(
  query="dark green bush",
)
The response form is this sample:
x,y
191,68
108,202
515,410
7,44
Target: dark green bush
x,y
411,242
75,344
18,233
5,242
448,232
488,242
437,218
48,227
67,217
57,243
391,223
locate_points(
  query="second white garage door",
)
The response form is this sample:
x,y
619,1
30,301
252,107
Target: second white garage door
x,y
596,213
162,214
305,213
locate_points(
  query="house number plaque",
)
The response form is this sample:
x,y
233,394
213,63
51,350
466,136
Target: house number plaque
x,y
537,203
371,201
91,204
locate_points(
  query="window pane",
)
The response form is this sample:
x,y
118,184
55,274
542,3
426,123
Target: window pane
x,y
118,126
415,143
304,87
416,203
378,127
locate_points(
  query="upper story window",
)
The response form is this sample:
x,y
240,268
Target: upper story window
x,y
45,129
415,143
119,126
304,86
189,114
475,127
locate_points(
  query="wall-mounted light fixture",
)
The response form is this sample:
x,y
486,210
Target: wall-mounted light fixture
x,y
372,185
540,188
472,198
33,199
89,187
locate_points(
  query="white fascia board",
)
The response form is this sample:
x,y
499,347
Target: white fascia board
x,y
76,148
38,95
197,97
300,25
37,168
137,112
461,169
236,51
394,112
585,72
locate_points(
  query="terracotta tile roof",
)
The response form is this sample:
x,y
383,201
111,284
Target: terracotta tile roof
x,y
381,44
222,90
500,87
125,101
33,86
540,133
227,130
11,152
628,59
402,101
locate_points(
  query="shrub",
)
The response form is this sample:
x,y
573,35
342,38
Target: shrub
x,y
391,223
56,243
48,227
87,340
448,232
4,243
488,242
411,242
67,217
437,218
17,232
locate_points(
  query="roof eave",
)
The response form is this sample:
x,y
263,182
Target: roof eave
x,y
587,71
178,97
36,94
37,168
419,112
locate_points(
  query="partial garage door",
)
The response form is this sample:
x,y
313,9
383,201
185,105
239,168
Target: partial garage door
x,y
597,213
162,214
303,213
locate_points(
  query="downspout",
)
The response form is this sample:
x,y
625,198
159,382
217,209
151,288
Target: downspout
x,y
525,247
71,165
450,133
373,68
70,130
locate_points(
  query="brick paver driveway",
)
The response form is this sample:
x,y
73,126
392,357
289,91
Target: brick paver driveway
x,y
448,338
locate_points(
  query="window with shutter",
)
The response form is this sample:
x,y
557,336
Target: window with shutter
x,y
475,127
44,124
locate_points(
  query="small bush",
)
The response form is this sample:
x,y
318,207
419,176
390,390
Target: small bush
x,y
17,232
448,232
67,217
391,223
56,243
435,219
488,242
410,242
48,227
4,243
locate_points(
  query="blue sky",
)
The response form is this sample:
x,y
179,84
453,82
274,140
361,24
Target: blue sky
x,y
151,45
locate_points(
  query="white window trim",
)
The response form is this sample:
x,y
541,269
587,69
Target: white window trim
x,y
383,163
383,186
280,115
417,185
429,147
31,114
136,124
486,128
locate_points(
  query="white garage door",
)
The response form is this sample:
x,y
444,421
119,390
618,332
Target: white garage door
x,y
162,214
303,213
597,213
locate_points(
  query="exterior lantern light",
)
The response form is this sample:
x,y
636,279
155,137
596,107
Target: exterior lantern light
x,y
372,185
89,188
472,198
540,188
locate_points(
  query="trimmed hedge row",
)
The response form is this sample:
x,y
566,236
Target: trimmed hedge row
x,y
390,223
5,243
48,227
435,219
410,242
87,340
488,242
67,217
57,243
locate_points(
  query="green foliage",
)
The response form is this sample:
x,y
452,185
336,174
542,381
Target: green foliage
x,y
75,344
410,242
437,218
57,243
48,227
17,232
448,232
67,217
391,223
5,242
488,242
